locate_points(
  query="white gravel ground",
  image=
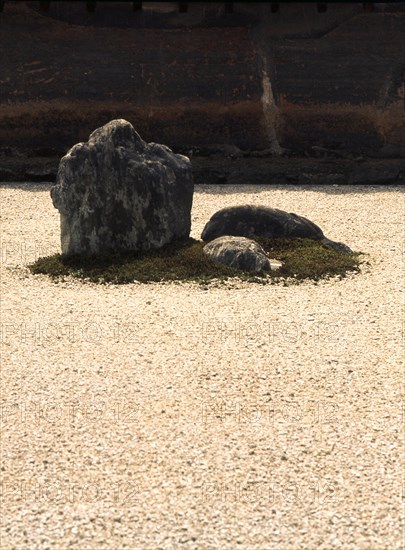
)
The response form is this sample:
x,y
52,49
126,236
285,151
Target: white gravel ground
x,y
172,416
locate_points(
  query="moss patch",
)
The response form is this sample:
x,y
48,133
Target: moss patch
x,y
185,261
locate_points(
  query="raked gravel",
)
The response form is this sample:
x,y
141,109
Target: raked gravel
x,y
167,416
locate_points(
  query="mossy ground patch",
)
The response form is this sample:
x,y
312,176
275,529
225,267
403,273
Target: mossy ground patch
x,y
185,261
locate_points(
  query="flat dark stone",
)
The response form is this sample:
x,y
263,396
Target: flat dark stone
x,y
261,221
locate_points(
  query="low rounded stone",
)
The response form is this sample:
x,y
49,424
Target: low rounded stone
x,y
261,221
249,220
239,253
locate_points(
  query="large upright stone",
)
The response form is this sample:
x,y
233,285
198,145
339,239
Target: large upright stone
x,y
118,193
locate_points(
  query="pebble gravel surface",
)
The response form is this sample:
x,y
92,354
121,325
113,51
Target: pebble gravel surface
x,y
238,415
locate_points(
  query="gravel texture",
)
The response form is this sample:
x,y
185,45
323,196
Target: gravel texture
x,y
168,416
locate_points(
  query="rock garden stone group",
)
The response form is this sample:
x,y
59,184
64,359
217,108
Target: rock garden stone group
x,y
118,193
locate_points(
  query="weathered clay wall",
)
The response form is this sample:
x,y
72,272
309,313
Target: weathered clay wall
x,y
59,81
43,59
257,79
345,89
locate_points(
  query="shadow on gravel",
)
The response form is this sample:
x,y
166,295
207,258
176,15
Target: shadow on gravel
x,y
229,189
327,189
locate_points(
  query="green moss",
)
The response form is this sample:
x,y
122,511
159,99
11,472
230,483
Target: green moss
x,y
309,259
185,261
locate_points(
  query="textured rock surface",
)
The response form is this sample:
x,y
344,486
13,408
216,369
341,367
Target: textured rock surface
x,y
238,252
261,221
117,192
